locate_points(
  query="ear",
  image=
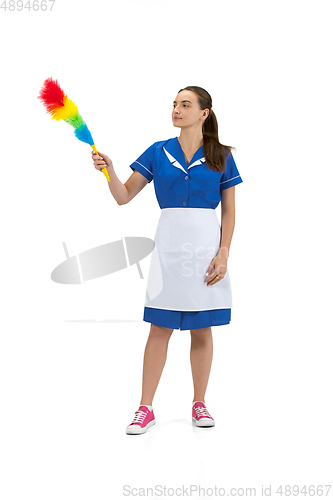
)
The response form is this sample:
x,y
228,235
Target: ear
x,y
205,114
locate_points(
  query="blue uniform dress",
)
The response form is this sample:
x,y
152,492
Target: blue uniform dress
x,y
178,185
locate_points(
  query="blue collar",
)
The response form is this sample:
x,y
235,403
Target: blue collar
x,y
176,156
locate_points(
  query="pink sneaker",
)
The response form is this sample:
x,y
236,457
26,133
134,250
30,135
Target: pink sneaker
x,y
143,419
200,415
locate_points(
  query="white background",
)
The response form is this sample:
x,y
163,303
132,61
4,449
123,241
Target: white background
x,y
71,355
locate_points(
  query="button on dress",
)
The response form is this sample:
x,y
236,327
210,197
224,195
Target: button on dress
x,y
187,238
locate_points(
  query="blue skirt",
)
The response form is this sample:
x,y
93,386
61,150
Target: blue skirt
x,y
186,320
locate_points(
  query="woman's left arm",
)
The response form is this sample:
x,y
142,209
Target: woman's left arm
x,y
227,220
218,266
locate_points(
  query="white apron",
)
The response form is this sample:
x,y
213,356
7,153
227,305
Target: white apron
x,y
186,241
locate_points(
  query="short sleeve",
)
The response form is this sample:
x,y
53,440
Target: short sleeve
x,y
231,175
144,164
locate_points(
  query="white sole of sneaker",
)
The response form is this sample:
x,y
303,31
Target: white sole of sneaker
x,y
203,423
139,430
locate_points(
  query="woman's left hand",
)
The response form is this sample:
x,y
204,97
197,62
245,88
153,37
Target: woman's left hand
x,y
219,264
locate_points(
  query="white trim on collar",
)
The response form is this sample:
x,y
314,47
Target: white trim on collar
x,y
198,162
175,163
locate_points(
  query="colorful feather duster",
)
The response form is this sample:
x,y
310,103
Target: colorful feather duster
x,y
61,107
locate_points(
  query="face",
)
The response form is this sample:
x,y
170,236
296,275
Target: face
x,y
186,110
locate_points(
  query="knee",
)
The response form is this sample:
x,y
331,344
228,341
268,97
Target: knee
x,y
160,331
201,334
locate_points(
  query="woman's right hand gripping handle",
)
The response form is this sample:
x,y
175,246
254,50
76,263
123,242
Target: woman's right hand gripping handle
x,y
117,188
101,161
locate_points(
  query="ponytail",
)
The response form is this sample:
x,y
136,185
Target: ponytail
x,y
216,154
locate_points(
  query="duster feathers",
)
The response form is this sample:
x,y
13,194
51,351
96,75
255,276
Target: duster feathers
x,y
60,107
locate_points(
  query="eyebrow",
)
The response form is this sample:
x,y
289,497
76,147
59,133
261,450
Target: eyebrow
x,y
175,102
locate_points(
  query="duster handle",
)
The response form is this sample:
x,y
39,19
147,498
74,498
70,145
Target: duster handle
x,y
104,170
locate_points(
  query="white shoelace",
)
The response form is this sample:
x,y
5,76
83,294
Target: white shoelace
x,y
202,412
139,417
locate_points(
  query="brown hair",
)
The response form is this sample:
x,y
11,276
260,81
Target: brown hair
x,y
216,154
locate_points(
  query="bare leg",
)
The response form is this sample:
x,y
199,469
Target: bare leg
x,y
201,356
154,361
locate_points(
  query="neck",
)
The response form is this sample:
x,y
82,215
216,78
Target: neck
x,y
191,139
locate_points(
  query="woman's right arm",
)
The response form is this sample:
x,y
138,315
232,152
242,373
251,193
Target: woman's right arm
x,y
122,193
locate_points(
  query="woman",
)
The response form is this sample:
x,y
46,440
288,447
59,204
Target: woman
x,y
188,284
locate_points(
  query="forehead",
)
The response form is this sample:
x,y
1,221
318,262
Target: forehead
x,y
187,95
